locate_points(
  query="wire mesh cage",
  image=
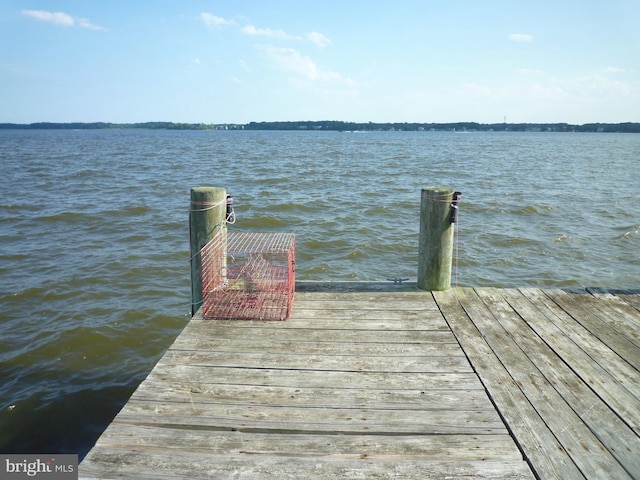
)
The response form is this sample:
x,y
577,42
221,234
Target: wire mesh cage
x,y
248,275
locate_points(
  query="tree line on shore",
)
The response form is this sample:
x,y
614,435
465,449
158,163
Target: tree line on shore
x,y
340,126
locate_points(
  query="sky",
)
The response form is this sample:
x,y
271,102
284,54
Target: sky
x,y
487,61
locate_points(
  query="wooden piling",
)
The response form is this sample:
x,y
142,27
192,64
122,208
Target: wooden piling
x,y
207,217
435,249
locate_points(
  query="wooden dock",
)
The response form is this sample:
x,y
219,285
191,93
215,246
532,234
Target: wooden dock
x,y
393,382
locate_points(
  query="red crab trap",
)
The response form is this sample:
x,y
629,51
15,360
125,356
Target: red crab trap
x,y
248,275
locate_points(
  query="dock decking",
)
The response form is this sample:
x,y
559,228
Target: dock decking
x,y
393,382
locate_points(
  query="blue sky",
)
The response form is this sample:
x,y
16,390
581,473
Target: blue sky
x,y
352,60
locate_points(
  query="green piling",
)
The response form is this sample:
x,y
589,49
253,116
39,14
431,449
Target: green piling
x,y
435,249
207,215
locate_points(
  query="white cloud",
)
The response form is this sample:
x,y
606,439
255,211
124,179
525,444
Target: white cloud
x,y
521,37
213,21
61,19
316,38
268,32
319,39
196,61
57,18
293,61
85,23
615,70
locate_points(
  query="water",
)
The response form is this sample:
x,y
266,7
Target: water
x,y
94,260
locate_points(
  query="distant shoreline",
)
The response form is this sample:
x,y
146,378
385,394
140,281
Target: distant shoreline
x,y
339,126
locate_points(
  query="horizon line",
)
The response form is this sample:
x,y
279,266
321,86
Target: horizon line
x,y
102,122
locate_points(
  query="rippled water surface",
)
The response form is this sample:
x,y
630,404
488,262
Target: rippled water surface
x,y
94,260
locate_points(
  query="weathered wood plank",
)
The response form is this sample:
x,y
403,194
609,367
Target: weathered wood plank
x,y
154,465
296,332
199,392
596,325
311,361
631,299
350,310
599,367
319,379
618,313
271,333
624,374
370,320
538,443
416,301
374,320
296,419
437,346
584,448
420,298
405,447
518,317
